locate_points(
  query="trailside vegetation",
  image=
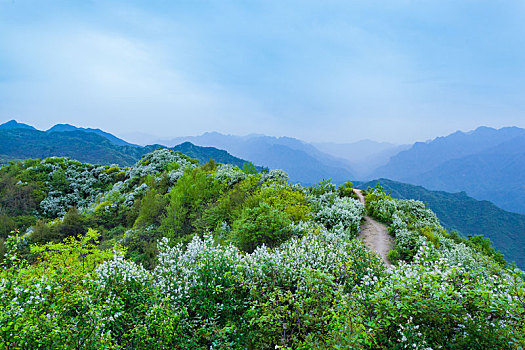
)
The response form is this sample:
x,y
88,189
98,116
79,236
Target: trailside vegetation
x,y
170,254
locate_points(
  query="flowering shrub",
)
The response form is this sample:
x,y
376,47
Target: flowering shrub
x,y
158,161
71,184
125,293
275,175
213,257
346,212
44,305
229,173
456,307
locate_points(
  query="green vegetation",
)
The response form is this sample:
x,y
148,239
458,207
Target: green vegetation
x,y
467,216
170,254
85,146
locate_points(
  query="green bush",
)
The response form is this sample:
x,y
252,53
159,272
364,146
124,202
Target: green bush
x,y
151,210
260,225
187,201
394,256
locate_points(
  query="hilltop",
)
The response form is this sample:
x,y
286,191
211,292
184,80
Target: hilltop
x,y
176,254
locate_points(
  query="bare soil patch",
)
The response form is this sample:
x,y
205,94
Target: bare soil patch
x,y
375,235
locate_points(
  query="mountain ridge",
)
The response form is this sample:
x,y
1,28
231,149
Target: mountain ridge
x,y
92,148
487,163
301,160
112,138
466,215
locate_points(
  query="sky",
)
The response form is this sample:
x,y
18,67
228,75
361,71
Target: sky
x,y
340,71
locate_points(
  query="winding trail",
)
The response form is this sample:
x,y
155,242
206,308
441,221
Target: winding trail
x,y
375,235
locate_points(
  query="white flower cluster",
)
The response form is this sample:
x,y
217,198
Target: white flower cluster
x,y
275,175
416,213
174,176
114,281
344,212
439,278
83,183
178,267
301,228
286,264
23,297
320,201
121,271
408,239
229,173
123,193
158,161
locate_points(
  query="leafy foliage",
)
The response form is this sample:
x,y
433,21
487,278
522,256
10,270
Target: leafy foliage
x,y
467,216
200,257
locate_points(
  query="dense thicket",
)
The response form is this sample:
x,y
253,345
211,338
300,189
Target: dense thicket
x,y
168,254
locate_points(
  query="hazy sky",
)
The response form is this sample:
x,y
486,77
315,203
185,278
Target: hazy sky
x,y
322,70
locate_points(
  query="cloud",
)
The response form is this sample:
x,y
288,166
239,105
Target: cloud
x,y
394,70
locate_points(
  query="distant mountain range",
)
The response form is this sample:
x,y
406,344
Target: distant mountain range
x,y
13,124
89,146
466,215
302,161
305,163
363,156
485,163
112,138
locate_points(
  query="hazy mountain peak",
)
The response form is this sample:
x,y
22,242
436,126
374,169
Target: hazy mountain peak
x,y
62,127
68,127
487,163
13,124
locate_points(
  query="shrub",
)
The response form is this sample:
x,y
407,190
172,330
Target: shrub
x,y
151,209
347,212
435,303
260,225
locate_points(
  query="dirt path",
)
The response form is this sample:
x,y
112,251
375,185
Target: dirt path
x,y
375,235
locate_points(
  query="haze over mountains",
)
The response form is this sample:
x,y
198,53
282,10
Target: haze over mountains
x,y
364,156
19,141
303,162
486,163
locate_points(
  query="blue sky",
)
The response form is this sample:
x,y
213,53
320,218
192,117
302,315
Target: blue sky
x,y
340,71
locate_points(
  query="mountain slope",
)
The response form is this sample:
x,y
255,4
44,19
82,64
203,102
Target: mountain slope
x,y
364,156
499,178
112,138
302,161
92,148
13,124
424,156
486,163
79,145
464,214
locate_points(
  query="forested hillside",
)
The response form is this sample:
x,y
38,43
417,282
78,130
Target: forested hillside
x,y
173,254
468,216
89,146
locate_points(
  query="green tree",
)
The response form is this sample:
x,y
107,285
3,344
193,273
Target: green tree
x,y
260,225
187,200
